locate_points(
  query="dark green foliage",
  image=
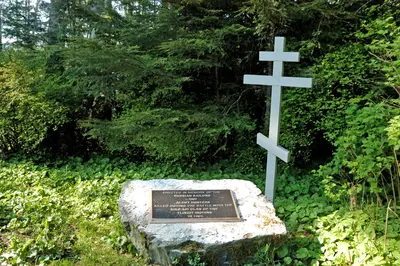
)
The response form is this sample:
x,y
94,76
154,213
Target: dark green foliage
x,y
366,152
364,157
341,78
169,134
162,80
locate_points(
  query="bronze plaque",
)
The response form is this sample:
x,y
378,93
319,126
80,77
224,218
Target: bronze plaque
x,y
189,206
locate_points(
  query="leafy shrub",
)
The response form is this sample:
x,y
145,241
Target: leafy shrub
x,y
313,116
364,156
359,238
25,115
248,157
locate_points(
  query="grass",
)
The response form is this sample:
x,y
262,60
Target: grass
x,y
92,250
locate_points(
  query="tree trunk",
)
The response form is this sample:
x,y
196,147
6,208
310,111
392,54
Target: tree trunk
x,y
53,22
37,18
1,27
108,4
28,32
217,81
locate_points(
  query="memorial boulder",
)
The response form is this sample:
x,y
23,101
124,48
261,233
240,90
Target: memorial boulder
x,y
223,221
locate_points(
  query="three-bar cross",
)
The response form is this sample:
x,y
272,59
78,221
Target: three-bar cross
x,y
277,81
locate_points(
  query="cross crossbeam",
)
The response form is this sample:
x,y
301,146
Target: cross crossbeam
x,y
270,146
280,56
277,81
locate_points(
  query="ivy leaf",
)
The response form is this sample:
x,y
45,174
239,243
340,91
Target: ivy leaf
x,y
302,253
287,260
282,252
343,247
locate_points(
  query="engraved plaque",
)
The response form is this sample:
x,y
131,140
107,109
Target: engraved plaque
x,y
188,206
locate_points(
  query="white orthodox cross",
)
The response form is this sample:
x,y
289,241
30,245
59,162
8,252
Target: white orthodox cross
x,y
277,81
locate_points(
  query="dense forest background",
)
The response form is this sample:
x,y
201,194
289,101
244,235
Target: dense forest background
x,y
162,81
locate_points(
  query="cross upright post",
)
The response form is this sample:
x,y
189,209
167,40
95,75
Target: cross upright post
x,y
277,81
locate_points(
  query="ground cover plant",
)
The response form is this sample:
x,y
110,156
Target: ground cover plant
x,y
65,213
